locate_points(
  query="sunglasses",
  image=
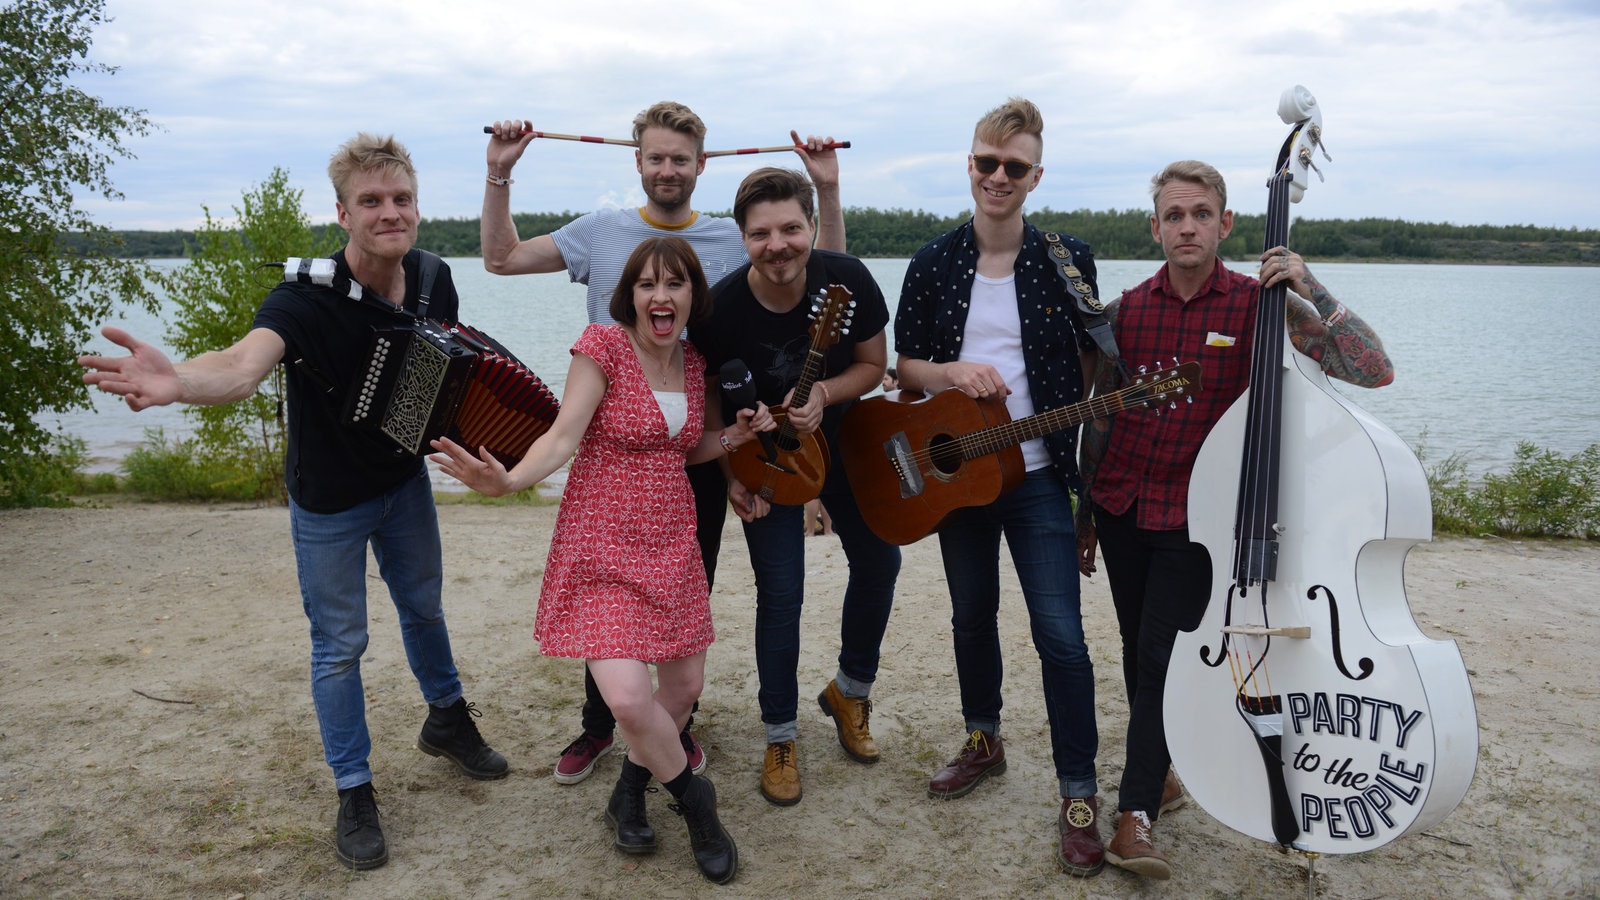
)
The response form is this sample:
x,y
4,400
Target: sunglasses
x,y
1014,169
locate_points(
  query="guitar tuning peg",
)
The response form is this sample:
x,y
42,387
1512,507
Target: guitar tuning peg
x,y
1144,370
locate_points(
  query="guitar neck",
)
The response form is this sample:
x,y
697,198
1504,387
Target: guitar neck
x,y
999,437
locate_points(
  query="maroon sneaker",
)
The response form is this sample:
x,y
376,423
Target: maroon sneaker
x,y
692,750
577,761
982,756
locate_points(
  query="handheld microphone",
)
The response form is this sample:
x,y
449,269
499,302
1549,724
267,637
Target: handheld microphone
x,y
739,390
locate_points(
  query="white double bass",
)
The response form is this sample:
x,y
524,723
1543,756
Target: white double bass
x,y
1308,709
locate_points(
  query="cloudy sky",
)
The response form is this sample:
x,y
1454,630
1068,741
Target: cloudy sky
x,y
1464,111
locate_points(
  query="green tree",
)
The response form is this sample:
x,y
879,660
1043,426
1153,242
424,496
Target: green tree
x,y
231,265
54,140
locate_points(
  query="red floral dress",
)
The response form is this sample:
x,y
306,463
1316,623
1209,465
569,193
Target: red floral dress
x,y
624,578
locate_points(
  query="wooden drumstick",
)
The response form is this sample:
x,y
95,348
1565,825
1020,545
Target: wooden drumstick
x,y
551,135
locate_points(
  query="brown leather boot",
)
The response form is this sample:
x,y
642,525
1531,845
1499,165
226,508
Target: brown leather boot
x,y
983,755
1172,795
1081,852
780,775
850,715
1131,848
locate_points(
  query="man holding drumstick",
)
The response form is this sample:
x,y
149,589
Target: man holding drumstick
x,y
593,248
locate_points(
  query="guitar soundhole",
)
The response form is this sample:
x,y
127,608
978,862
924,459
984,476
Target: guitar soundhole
x,y
788,441
945,453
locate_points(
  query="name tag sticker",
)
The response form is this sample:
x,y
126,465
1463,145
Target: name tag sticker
x,y
1219,340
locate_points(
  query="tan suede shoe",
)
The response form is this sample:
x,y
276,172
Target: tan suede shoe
x,y
850,717
780,775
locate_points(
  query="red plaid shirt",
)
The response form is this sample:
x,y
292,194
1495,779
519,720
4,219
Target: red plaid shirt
x,y
1152,451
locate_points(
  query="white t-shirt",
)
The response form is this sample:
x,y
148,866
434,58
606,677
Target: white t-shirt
x,y
993,335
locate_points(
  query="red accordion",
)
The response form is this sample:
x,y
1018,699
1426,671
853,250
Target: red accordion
x,y
430,380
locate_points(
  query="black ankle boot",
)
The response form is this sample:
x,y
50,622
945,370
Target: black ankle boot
x,y
451,733
625,812
357,837
714,851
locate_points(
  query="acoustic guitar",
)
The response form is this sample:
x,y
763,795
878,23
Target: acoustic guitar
x,y
793,475
914,461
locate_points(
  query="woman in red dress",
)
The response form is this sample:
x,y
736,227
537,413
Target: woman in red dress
x,y
624,586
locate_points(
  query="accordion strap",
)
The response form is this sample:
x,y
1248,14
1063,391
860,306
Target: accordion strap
x,y
427,274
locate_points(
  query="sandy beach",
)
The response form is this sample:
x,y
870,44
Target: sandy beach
x,y
157,737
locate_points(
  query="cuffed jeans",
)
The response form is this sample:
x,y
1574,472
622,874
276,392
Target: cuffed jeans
x,y
330,552
777,543
1036,520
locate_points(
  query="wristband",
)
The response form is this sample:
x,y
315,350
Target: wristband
x,y
500,181
727,445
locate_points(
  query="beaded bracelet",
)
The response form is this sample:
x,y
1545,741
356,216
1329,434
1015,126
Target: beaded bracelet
x,y
500,181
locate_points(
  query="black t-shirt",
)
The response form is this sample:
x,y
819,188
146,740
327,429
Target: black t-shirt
x,y
330,467
774,345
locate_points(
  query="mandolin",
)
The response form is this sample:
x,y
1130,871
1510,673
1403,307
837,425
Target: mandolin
x,y
1307,708
913,461
794,474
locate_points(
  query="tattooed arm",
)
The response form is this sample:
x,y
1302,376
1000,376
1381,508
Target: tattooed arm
x,y
1341,342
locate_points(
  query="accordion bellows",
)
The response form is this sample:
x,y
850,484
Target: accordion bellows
x,y
430,380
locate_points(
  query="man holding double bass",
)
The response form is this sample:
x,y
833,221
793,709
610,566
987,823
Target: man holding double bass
x,y
1137,465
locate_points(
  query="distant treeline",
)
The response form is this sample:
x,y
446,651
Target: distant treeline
x,y
1114,234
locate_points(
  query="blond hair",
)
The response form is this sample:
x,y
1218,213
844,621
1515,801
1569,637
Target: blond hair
x,y
674,117
1193,171
1009,119
369,153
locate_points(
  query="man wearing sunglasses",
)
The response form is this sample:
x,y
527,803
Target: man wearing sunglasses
x,y
983,311
592,249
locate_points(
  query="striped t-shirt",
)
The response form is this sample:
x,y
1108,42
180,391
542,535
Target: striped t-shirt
x,y
595,247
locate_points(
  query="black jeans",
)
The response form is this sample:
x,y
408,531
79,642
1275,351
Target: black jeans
x,y
1160,584
710,510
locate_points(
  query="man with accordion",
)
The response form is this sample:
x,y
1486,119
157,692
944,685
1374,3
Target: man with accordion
x,y
348,488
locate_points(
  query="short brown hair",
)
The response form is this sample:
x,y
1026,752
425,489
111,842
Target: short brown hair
x,y
369,153
1194,171
671,255
772,185
672,116
1009,119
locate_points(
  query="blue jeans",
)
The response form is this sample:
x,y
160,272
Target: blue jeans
x,y
330,551
777,544
1036,520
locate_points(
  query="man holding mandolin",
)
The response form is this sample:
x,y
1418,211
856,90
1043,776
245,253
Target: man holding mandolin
x,y
809,357
983,311
1138,465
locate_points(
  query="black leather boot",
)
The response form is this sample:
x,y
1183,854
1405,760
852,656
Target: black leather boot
x,y
451,733
625,812
714,850
357,837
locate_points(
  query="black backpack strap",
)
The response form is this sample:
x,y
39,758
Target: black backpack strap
x,y
1091,312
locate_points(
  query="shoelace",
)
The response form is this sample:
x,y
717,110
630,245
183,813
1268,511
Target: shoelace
x,y
584,744
1141,827
976,741
363,810
866,712
785,753
469,726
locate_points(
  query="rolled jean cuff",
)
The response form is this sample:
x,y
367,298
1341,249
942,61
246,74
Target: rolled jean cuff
x,y
1079,787
850,687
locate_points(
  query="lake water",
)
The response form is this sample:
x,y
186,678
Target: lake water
x,y
1480,352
